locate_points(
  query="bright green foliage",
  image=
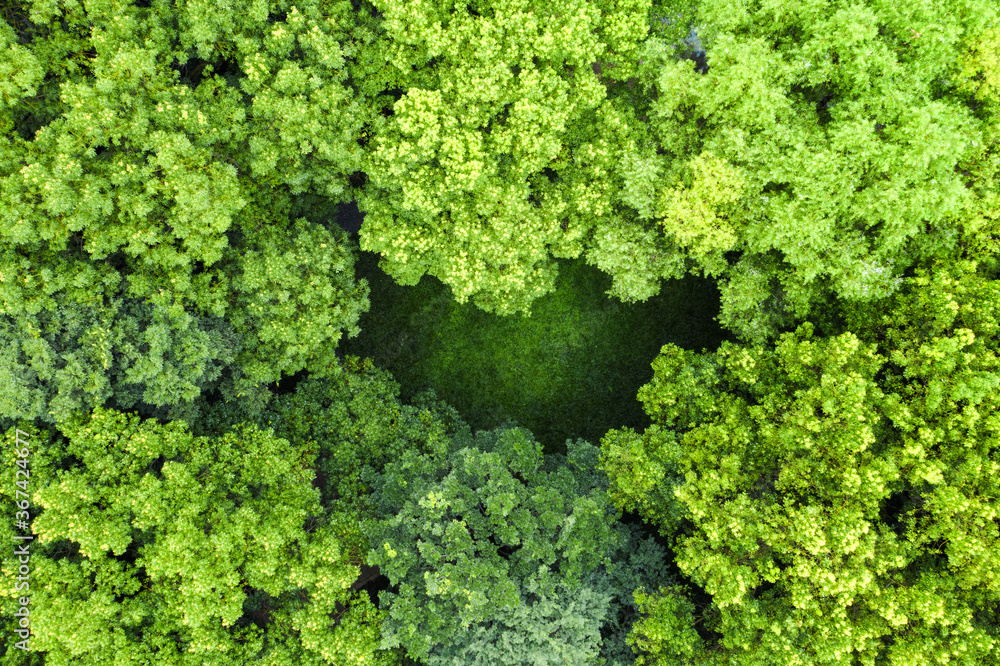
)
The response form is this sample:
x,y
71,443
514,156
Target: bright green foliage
x,y
296,291
497,552
980,77
821,154
943,338
151,154
821,144
689,213
836,497
980,71
167,174
150,539
493,161
354,419
40,445
666,633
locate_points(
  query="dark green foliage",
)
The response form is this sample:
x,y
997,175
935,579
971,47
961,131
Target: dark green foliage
x,y
127,352
502,555
355,421
569,370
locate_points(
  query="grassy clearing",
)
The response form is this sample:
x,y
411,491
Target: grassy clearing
x,y
570,370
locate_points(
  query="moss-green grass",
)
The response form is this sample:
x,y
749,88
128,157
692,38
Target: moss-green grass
x,y
570,370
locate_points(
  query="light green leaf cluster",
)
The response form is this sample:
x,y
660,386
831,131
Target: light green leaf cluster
x,y
690,213
841,492
20,71
295,292
643,475
798,155
627,168
980,77
665,633
490,163
151,154
942,336
149,539
847,139
980,71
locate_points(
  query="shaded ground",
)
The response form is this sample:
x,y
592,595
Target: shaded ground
x,y
571,370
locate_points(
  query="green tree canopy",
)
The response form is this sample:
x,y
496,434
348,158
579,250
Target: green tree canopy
x,y
354,420
828,488
836,497
493,159
501,555
819,154
158,547
150,158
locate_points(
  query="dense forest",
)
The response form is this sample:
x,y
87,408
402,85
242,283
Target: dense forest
x,y
500,332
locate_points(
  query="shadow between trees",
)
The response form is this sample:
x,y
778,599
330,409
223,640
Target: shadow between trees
x,y
570,370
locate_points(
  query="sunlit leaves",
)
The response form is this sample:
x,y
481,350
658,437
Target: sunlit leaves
x,y
20,71
820,107
690,214
136,169
496,105
836,478
296,291
167,533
